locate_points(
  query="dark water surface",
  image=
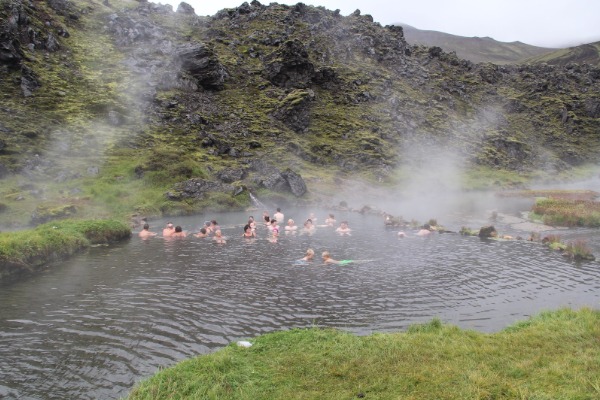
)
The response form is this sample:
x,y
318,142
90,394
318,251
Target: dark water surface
x,y
95,325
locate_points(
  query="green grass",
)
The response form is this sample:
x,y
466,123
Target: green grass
x,y
568,212
552,356
25,250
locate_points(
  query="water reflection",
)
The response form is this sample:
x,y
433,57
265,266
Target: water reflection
x,y
93,326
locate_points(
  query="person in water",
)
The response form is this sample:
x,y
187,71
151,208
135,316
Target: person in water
x,y
218,238
291,226
252,223
327,258
202,234
274,228
308,227
145,232
278,215
425,231
344,229
169,230
310,254
266,218
330,220
179,233
248,232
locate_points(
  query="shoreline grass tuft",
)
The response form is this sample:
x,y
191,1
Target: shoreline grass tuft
x,y
25,250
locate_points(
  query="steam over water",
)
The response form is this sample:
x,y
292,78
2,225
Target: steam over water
x,y
95,325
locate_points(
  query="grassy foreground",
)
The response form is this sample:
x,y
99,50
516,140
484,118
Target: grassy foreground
x,y
555,355
25,250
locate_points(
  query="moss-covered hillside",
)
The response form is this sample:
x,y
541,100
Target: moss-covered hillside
x,y
127,107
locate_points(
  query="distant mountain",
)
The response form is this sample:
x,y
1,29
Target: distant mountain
x,y
586,53
475,49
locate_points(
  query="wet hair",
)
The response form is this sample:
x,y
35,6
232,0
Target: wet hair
x,y
206,223
214,222
310,252
178,229
325,254
278,209
146,226
246,227
203,231
273,220
267,218
426,226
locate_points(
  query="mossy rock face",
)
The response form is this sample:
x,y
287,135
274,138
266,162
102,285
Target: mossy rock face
x,y
164,97
44,214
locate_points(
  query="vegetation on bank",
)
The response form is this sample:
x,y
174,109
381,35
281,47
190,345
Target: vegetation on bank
x,y
567,212
577,250
24,250
554,355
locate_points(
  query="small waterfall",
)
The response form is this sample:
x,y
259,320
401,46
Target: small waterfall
x,y
257,203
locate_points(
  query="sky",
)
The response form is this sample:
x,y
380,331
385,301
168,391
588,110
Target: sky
x,y
544,23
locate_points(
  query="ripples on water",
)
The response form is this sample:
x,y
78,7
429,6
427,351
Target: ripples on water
x,y
93,326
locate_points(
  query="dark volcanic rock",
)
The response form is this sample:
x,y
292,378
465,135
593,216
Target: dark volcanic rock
x,y
197,188
185,8
294,110
202,63
231,175
289,66
295,181
29,82
273,179
487,232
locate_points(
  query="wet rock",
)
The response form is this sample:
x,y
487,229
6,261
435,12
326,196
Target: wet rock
x,y
488,231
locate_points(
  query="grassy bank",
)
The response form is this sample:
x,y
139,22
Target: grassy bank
x,y
24,250
568,212
555,355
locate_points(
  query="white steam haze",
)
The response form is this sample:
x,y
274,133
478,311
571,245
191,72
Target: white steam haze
x,y
544,23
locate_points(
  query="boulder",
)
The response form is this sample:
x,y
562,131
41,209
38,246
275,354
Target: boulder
x,y
44,214
289,66
199,61
488,232
294,110
197,188
295,182
185,8
229,175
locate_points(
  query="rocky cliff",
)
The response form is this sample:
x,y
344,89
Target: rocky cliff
x,y
121,94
